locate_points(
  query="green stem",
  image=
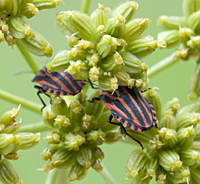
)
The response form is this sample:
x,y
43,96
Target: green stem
x,y
34,128
28,57
19,100
85,6
163,64
52,176
107,176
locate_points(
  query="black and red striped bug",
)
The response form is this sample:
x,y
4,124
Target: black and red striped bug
x,y
57,83
130,108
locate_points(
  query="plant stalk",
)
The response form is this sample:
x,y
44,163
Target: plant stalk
x,y
28,57
52,176
107,176
85,6
163,64
19,100
34,128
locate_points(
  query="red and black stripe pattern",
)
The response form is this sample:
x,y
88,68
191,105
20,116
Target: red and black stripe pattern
x,y
58,83
130,107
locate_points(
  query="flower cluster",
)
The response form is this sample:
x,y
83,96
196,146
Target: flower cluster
x,y
184,31
10,143
106,46
15,26
172,154
79,128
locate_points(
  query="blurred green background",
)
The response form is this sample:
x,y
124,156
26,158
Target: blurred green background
x,y
172,82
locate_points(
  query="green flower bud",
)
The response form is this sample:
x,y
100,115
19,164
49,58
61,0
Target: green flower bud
x,y
7,173
155,100
58,105
197,132
124,78
72,40
72,142
181,176
19,27
86,121
185,32
60,61
97,166
161,176
194,177
97,154
168,120
9,143
77,172
94,73
182,53
171,22
29,10
112,63
9,116
190,6
194,88
2,38
112,137
116,26
135,28
169,160
84,156
126,9
185,137
195,145
45,4
152,166
95,138
93,59
53,138
141,178
95,109
69,22
100,16
62,159
13,7
194,42
190,157
108,83
29,140
77,53
132,64
48,118
136,161
142,46
187,119
168,137
15,125
169,38
62,123
193,22
154,146
173,105
107,46
83,44
101,30
36,44
50,150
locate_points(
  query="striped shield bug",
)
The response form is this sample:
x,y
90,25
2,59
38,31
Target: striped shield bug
x,y
57,83
130,108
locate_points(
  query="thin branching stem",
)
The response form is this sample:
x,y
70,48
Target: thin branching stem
x,y
19,100
107,176
28,57
52,176
163,64
85,6
34,128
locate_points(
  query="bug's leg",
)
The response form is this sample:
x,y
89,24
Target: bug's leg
x,y
41,90
91,84
145,90
157,126
93,99
123,130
